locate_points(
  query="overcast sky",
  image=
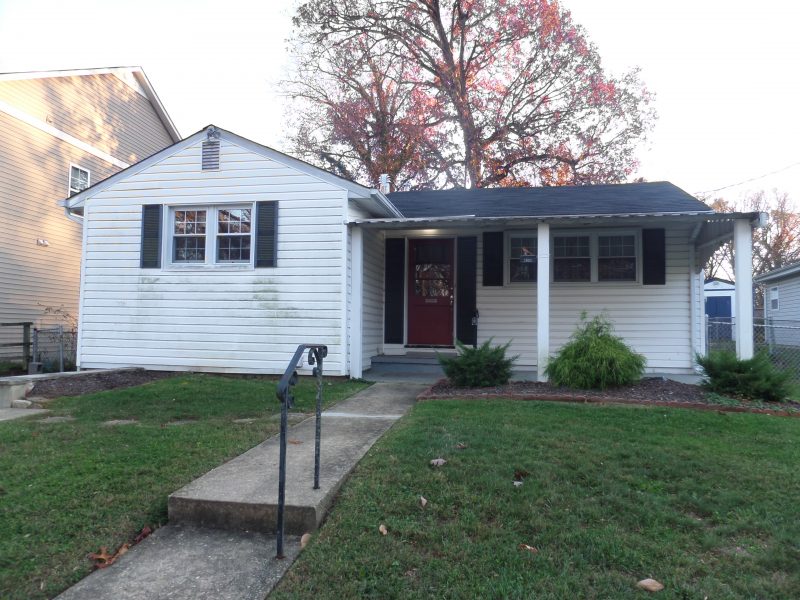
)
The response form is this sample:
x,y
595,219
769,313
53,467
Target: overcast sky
x,y
726,73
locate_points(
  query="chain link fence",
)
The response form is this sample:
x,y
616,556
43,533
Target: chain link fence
x,y
780,339
54,349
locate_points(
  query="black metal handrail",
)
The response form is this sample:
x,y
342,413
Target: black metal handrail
x,y
316,354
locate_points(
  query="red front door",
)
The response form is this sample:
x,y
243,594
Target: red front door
x,y
430,292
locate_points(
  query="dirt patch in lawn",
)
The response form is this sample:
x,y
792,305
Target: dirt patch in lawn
x,y
649,391
95,381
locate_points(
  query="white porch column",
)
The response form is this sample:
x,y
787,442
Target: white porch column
x,y
743,273
542,300
356,301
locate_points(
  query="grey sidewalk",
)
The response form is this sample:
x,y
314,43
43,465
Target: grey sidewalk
x,y
219,543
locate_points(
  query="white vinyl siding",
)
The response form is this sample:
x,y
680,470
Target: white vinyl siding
x,y
215,319
787,315
653,319
372,308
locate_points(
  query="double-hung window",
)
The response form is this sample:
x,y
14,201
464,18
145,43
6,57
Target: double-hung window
x,y
78,179
572,259
522,258
774,299
616,260
212,235
596,256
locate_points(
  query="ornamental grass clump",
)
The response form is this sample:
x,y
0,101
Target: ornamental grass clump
x,y
755,378
483,366
595,358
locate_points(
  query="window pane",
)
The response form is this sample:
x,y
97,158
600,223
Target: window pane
x,y
572,269
233,248
616,269
571,246
189,249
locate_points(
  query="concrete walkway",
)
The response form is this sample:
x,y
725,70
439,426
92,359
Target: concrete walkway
x,y
9,414
220,541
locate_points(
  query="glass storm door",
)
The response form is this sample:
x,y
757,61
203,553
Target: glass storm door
x,y
430,292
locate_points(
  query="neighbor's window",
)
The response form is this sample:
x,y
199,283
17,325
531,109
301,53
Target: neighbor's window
x,y
189,236
522,258
774,299
234,227
572,259
78,179
616,260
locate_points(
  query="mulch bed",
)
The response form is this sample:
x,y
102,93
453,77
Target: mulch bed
x,y
91,381
652,391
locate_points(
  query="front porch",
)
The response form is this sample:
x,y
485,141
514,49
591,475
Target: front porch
x,y
418,285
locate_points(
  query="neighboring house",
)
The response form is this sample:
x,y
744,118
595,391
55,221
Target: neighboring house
x,y
782,305
62,131
720,303
221,254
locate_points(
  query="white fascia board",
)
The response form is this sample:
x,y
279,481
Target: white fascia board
x,y
80,198
530,218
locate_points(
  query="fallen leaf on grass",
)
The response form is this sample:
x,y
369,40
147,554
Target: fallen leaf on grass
x,y
423,501
438,462
304,540
383,529
517,483
520,474
103,559
142,534
294,442
651,585
461,446
531,549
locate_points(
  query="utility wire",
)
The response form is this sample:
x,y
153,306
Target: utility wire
x,y
725,187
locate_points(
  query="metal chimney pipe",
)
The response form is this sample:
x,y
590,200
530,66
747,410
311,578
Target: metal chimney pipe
x,y
383,183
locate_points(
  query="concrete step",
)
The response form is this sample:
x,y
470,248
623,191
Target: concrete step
x,y
412,358
189,563
242,494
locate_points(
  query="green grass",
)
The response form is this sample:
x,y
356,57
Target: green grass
x,y
706,503
10,368
67,489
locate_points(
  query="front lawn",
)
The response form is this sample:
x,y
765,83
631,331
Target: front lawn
x,y
68,488
704,502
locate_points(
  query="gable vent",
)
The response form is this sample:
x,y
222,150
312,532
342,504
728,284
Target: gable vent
x,y
211,155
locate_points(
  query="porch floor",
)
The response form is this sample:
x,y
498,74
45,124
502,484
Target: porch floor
x,y
423,367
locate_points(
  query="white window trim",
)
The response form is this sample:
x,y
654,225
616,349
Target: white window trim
x,y
211,238
774,294
594,254
70,193
507,255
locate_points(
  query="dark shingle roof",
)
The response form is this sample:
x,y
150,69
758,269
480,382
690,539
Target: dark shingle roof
x,y
614,199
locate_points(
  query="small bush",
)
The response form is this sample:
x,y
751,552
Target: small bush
x,y
483,366
755,378
595,358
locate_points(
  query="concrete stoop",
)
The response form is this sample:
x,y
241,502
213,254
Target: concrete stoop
x,y
220,541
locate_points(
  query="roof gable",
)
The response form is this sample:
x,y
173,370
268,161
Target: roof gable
x,y
134,77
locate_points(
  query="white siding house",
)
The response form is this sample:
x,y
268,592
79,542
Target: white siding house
x,y
781,289
194,261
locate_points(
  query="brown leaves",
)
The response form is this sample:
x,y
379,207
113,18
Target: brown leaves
x,y
295,442
423,501
103,559
527,548
461,446
304,540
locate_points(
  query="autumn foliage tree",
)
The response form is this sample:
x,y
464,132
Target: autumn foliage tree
x,y
468,92
775,245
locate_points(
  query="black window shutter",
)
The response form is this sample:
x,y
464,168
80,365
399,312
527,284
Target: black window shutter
x,y
150,255
466,292
654,257
492,258
266,234
394,286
